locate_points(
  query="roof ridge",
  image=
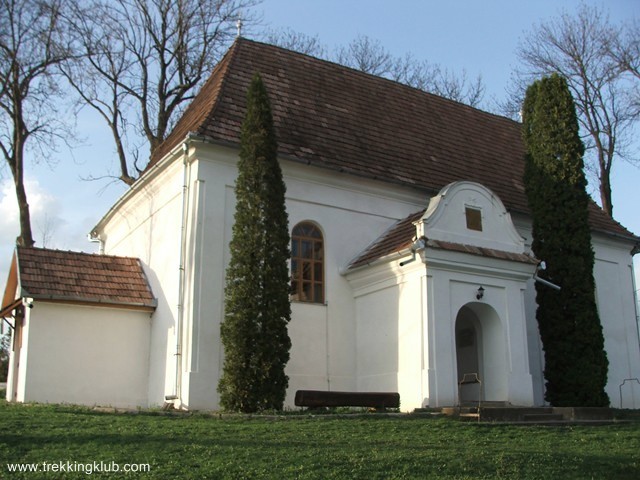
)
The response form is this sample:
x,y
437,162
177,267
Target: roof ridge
x,y
376,77
73,252
335,117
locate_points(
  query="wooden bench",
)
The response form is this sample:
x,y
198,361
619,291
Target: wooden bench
x,y
321,398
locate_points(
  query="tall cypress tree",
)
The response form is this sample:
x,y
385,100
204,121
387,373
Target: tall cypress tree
x,y
257,308
575,361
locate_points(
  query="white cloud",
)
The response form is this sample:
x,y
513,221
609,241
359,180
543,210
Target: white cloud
x,y
46,219
8,210
43,206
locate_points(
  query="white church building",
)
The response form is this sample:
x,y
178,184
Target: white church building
x,y
411,262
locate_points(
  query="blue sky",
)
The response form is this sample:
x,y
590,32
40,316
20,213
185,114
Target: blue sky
x,y
479,36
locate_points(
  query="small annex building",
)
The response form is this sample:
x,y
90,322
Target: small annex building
x,y
81,325
411,255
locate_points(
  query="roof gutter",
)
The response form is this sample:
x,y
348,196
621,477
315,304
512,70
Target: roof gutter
x,y
175,152
636,240
377,261
93,301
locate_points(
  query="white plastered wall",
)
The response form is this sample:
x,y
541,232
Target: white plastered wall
x,y
406,318
457,277
390,312
350,213
613,273
406,315
84,355
504,362
146,223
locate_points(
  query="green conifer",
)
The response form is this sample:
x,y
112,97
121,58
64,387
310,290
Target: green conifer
x,y
257,308
575,361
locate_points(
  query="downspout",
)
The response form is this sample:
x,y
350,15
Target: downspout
x,y
94,237
417,246
547,283
177,389
634,286
328,356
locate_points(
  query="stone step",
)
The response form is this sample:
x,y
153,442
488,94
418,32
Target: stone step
x,y
469,416
495,413
493,404
513,414
456,411
542,417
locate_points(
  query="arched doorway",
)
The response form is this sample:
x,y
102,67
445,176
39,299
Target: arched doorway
x,y
481,349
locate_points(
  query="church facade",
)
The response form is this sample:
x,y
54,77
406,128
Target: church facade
x,y
411,264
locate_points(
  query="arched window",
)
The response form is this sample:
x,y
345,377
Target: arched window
x,y
307,263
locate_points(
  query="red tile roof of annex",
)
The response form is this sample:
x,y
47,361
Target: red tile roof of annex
x,y
83,277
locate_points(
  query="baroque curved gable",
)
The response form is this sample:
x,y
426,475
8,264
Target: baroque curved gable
x,y
469,213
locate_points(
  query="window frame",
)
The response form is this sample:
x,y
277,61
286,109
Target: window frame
x,y
307,269
473,217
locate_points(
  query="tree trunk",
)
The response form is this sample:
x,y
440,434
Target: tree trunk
x,y
25,239
605,195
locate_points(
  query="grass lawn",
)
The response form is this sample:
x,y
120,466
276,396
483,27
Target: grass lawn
x,y
323,447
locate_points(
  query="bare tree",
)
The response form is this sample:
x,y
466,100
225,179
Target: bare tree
x,y
31,45
458,87
370,56
144,59
367,55
411,71
624,49
46,227
296,41
577,48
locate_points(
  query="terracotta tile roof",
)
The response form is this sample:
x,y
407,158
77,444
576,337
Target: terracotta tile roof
x,y
82,277
402,234
397,238
335,117
198,111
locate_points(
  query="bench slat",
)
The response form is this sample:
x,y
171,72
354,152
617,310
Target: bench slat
x,y
321,398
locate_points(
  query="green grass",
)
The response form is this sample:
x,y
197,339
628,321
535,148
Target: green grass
x,y
323,447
